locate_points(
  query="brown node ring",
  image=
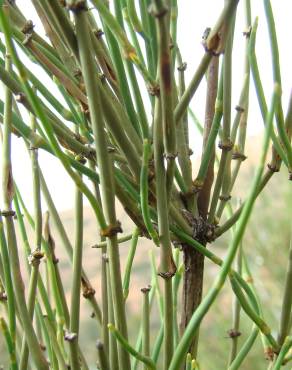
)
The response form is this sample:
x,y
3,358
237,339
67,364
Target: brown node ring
x,y
182,67
170,156
8,213
228,145
28,27
240,109
146,289
154,90
98,33
273,168
157,14
111,230
87,291
234,333
225,198
238,155
77,6
166,275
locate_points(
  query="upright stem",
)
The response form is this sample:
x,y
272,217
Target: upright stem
x,y
3,242
199,314
287,300
160,11
225,144
146,323
167,268
106,175
234,332
8,192
36,255
212,86
76,284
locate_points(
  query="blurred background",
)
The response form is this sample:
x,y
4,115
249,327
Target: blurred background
x,y
266,244
266,240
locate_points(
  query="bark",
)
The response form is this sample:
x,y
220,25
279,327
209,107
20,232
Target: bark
x,y
193,260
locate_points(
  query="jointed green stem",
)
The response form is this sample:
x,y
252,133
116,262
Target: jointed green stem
x,y
3,242
129,263
76,284
9,343
32,341
106,176
146,323
145,359
166,268
144,178
197,317
259,88
277,79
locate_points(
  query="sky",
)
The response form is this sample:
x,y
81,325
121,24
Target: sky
x,y
193,18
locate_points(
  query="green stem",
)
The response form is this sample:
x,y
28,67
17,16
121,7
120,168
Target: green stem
x,y
260,90
236,363
102,358
128,50
129,263
144,179
145,359
106,175
225,143
7,184
201,311
285,348
236,314
55,345
121,240
184,102
166,82
67,245
252,314
287,300
146,323
9,343
76,283
3,242
166,269
277,79
37,254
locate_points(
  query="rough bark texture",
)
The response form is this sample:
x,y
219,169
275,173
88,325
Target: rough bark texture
x,y
193,260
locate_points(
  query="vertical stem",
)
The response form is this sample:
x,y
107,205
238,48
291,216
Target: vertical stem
x,y
183,141
129,263
201,311
76,284
146,323
234,333
225,144
88,291
287,300
104,278
277,79
8,192
36,255
113,352
3,242
212,86
193,260
102,357
106,176
160,11
9,343
167,267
